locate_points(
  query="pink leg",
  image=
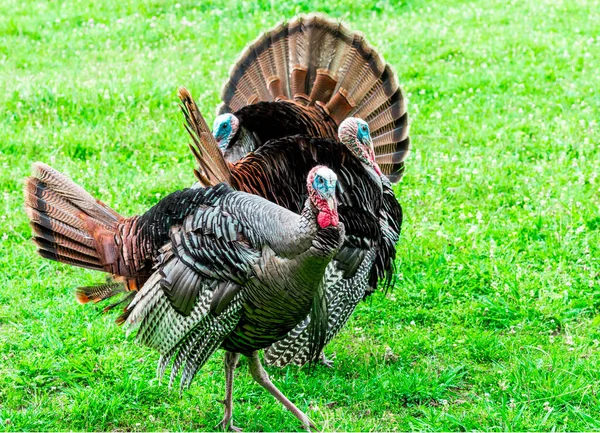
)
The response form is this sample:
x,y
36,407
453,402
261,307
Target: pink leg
x,y
231,360
260,375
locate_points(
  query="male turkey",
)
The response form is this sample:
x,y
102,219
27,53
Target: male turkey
x,y
237,271
305,77
372,255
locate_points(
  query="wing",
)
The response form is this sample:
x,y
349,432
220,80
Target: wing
x,y
193,300
186,341
211,167
390,217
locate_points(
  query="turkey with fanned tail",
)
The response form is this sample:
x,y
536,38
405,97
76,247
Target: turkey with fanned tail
x,y
305,77
237,271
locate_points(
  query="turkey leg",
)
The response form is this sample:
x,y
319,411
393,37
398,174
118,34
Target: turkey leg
x,y
260,375
231,359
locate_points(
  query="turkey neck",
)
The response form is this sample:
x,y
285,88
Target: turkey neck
x,y
286,285
242,143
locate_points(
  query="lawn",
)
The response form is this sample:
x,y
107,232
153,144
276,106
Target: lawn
x,y
494,321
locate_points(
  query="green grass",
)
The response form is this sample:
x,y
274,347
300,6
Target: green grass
x,y
494,322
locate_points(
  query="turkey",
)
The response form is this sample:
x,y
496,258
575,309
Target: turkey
x,y
370,212
344,294
237,271
305,77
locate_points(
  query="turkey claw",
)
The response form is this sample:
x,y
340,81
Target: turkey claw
x,y
326,361
227,425
309,427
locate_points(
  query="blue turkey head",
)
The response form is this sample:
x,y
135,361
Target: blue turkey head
x,y
355,134
224,129
363,134
325,182
321,190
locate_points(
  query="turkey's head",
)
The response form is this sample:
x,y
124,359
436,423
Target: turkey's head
x,y
321,183
224,129
354,133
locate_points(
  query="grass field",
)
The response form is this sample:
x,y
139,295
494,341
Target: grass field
x,y
494,323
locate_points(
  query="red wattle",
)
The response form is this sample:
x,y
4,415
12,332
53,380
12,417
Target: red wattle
x,y
328,218
375,165
377,169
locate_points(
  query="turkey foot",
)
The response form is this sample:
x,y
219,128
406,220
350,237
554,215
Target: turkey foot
x,y
326,361
262,378
231,360
227,424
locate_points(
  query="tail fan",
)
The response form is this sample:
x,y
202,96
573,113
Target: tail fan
x,y
315,61
69,224
212,167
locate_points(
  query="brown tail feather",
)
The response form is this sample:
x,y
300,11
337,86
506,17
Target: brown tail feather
x,y
50,228
385,139
66,220
80,261
396,169
212,167
98,293
58,244
384,119
75,194
103,292
124,300
313,60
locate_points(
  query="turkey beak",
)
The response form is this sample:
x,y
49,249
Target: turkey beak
x,y
331,203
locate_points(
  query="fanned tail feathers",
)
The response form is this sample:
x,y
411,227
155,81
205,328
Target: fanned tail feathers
x,y
212,167
67,221
315,61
